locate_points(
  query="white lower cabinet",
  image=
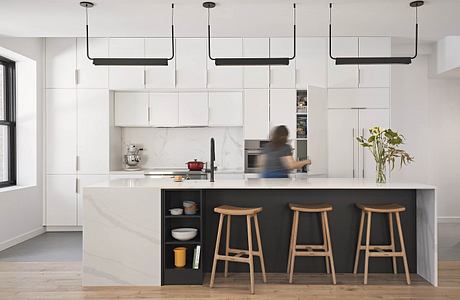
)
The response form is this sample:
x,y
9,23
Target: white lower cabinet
x,y
225,109
283,108
131,109
85,180
193,109
256,114
61,200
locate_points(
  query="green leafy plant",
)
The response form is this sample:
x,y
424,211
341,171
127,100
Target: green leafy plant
x,y
384,144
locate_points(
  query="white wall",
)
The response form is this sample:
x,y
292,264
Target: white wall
x,y
427,112
21,208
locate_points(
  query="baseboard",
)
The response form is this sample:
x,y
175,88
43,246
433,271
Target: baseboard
x,y
63,228
21,238
446,220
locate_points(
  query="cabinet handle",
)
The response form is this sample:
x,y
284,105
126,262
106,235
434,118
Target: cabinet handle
x,y
77,163
269,76
76,185
353,147
175,78
359,76
145,77
148,114
76,77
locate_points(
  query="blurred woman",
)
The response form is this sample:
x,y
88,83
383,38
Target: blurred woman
x,y
276,160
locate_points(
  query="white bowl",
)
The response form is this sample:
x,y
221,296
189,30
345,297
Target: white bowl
x,y
176,211
184,234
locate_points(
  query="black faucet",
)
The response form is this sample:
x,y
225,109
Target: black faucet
x,y
213,158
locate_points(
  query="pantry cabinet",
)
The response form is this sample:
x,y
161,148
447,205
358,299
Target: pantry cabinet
x,y
282,76
256,114
283,107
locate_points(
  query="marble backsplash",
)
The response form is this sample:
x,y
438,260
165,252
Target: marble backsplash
x,y
173,147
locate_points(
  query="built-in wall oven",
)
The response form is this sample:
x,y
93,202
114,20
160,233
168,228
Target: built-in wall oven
x,y
252,150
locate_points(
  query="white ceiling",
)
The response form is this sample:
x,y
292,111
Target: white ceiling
x,y
151,18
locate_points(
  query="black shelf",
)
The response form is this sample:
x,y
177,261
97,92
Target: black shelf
x,y
172,241
182,216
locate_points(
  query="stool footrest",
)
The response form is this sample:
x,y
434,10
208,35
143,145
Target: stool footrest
x,y
233,258
310,247
386,254
311,253
240,252
377,247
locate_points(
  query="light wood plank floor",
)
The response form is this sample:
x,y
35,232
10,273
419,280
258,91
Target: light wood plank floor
x,y
20,280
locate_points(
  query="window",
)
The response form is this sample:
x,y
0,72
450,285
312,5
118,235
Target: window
x,y
7,123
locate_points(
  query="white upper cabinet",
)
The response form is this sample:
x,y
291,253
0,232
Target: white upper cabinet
x,y
283,107
191,62
256,76
160,76
61,200
93,131
193,109
374,75
256,114
164,109
225,109
89,75
225,76
126,77
60,62
131,109
343,76
359,98
311,62
61,131
282,76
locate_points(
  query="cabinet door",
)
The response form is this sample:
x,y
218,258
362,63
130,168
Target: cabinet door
x,y
225,109
126,77
93,131
160,76
193,109
60,62
191,62
359,98
256,76
83,181
256,114
283,107
311,62
164,109
317,130
374,75
369,118
343,76
225,76
342,144
61,131
89,75
131,109
282,76
61,200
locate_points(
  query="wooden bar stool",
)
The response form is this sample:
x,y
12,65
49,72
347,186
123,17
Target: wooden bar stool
x,y
380,250
229,211
309,250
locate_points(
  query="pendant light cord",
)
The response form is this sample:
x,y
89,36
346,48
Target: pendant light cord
x,y
172,31
87,34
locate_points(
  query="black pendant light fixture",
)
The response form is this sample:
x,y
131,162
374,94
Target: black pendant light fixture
x,y
247,61
375,60
118,61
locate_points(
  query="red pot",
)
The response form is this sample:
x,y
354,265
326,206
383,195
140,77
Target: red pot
x,y
195,165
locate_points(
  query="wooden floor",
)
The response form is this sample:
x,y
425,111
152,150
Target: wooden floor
x,y
63,281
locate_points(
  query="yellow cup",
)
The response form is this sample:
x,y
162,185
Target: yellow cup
x,y
179,257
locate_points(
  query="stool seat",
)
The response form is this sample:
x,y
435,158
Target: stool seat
x,y
381,208
310,208
237,211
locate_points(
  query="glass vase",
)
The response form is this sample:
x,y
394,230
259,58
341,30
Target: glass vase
x,y
380,171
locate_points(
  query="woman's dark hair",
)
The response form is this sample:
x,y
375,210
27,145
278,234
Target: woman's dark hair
x,y
280,136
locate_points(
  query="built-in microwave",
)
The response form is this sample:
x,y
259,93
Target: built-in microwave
x,y
252,150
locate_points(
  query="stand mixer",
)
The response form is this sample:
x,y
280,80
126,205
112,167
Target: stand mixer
x,y
132,158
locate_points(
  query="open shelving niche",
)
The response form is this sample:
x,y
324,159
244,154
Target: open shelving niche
x,y
171,275
301,124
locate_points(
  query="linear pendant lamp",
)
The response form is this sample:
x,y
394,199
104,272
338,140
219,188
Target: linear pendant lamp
x,y
375,60
247,61
119,61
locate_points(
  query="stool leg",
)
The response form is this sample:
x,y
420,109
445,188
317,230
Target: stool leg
x,y
216,251
290,244
293,245
329,246
325,244
368,237
358,244
392,240
251,257
227,244
259,247
403,248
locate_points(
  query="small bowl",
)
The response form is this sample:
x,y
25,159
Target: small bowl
x,y
184,234
176,211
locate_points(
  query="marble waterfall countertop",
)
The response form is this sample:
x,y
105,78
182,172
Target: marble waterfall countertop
x,y
309,183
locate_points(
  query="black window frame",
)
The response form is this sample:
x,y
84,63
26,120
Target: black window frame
x,y
9,88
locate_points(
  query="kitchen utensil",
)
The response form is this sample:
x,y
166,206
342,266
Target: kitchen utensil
x,y
184,234
195,165
132,158
190,207
179,257
176,211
